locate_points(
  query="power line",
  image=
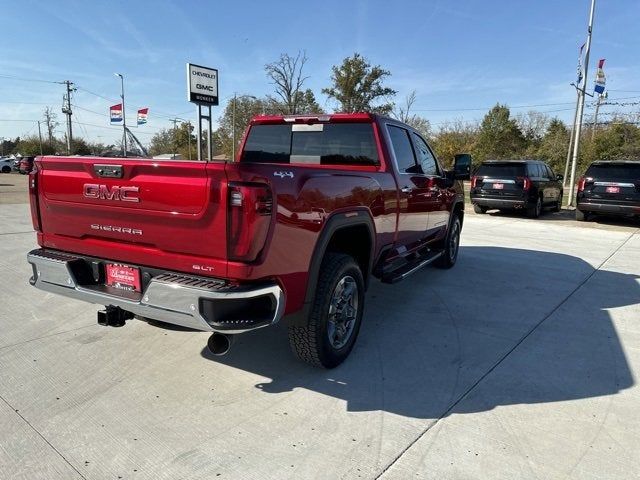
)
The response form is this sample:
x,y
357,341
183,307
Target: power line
x,y
11,77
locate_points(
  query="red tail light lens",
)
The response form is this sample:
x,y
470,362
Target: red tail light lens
x,y
474,180
526,182
250,209
581,183
33,198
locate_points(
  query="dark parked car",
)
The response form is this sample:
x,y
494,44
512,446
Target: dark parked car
x,y
25,165
612,188
529,185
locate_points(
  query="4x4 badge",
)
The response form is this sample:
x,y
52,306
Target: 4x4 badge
x,y
283,174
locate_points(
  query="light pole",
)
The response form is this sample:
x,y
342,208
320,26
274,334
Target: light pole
x,y
233,122
582,92
124,118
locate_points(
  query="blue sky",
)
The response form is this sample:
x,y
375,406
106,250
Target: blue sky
x,y
458,56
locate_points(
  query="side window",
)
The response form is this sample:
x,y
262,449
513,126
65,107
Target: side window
x,y
402,149
550,174
426,160
533,170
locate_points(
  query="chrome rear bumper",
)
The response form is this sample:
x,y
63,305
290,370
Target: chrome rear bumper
x,y
195,302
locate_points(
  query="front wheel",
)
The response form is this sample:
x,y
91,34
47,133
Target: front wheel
x,y
535,210
558,206
581,216
451,246
479,209
6,169
336,314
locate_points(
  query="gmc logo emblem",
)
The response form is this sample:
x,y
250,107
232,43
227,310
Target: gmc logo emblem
x,y
103,192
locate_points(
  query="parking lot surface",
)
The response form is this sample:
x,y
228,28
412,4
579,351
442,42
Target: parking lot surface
x,y
520,362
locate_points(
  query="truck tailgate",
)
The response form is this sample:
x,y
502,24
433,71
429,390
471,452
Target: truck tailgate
x,y
164,214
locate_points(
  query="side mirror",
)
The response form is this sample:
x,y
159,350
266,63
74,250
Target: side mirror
x,y
462,166
559,177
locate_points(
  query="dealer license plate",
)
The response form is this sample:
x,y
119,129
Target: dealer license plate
x,y
613,189
498,186
123,277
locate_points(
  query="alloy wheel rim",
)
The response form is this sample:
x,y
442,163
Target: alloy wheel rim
x,y
343,311
455,241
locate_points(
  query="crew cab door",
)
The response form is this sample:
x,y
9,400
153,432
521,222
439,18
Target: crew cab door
x,y
437,193
415,191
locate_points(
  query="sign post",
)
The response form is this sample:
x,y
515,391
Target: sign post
x,y
202,89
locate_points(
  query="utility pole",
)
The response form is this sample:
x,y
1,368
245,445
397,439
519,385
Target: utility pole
x,y
601,97
573,131
574,163
175,136
40,136
124,118
66,109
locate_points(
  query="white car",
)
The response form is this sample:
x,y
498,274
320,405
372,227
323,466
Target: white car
x,y
6,165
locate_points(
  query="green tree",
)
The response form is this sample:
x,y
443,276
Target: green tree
x,y
358,87
453,138
245,108
175,141
554,145
499,136
31,146
620,140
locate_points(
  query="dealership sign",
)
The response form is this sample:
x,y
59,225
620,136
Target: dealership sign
x,y
202,85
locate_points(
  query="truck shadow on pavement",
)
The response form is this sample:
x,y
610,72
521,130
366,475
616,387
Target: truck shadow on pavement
x,y
501,313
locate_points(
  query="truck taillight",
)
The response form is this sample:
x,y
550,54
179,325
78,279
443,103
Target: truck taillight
x,y
250,209
33,198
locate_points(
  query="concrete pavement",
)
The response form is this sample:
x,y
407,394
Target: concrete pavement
x,y
521,362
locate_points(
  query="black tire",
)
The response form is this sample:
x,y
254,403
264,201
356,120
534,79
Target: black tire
x,y
581,216
480,209
311,342
558,205
451,245
6,169
536,210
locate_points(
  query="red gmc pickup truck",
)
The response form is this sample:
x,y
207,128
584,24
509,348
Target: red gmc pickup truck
x,y
291,230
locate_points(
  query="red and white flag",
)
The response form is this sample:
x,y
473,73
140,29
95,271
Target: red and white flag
x,y
142,116
115,113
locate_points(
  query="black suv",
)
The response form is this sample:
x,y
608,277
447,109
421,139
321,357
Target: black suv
x,y
530,185
612,188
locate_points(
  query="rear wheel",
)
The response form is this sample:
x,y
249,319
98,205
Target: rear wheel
x,y
581,216
558,205
6,169
535,210
451,245
479,209
336,314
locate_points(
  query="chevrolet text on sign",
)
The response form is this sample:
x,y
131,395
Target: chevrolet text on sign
x,y
202,84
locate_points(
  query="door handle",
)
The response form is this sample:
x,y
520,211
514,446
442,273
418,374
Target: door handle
x,y
406,189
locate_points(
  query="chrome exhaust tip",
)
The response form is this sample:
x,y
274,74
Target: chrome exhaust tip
x,y
219,343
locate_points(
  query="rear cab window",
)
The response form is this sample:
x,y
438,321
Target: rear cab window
x,y
315,143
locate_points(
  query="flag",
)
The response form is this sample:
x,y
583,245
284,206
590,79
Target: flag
x,y
142,116
601,80
115,112
580,70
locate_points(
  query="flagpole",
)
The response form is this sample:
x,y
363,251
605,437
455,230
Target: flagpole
x,y
576,147
571,138
124,118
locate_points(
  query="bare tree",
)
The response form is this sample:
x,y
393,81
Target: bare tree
x,y
50,120
403,113
286,75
